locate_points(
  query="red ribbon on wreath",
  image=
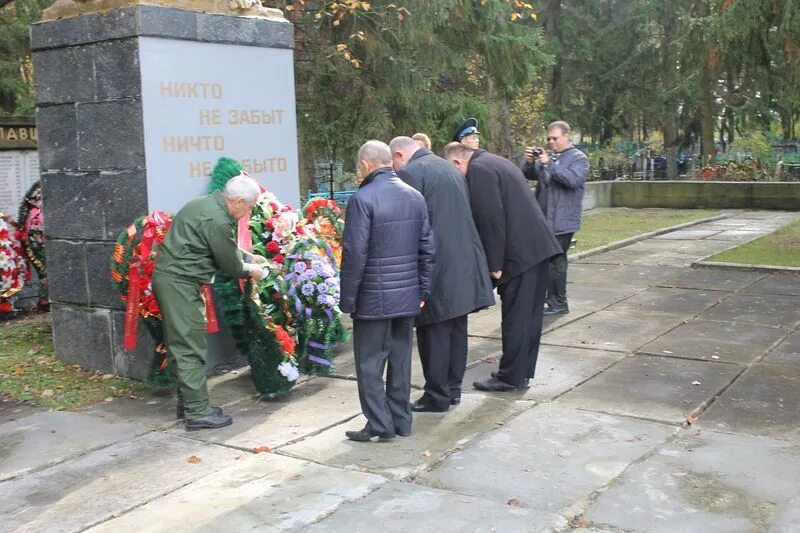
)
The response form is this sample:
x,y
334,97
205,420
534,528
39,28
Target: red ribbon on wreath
x,y
135,276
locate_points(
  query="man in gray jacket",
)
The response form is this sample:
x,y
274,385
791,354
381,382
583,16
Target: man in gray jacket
x,y
460,283
561,175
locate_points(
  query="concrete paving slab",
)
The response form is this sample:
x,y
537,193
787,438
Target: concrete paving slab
x,y
590,297
558,370
95,487
736,235
681,303
687,234
672,259
786,353
549,459
264,492
765,401
686,247
434,435
628,276
713,279
716,341
766,309
43,439
403,507
308,408
620,256
480,344
787,284
154,410
655,388
485,323
612,331
705,481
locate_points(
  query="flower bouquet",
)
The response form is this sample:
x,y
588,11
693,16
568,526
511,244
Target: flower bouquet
x,y
13,267
312,288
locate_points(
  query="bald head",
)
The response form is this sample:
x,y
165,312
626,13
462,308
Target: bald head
x,y
402,149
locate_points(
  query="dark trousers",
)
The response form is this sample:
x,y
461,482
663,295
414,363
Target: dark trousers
x,y
443,352
376,343
557,284
522,306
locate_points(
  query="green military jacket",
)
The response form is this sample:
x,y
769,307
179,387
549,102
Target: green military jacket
x,y
201,242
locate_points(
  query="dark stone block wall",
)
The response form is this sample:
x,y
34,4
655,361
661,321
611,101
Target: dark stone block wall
x,y
91,152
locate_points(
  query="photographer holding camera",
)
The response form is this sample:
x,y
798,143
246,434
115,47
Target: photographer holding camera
x,y
561,174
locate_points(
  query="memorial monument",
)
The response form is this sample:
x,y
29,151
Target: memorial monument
x,y
136,101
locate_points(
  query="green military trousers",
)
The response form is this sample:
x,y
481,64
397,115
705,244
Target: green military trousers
x,y
183,310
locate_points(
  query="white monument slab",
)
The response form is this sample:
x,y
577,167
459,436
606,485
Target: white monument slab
x,y
202,101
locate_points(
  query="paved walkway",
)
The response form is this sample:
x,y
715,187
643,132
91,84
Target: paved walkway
x,y
667,400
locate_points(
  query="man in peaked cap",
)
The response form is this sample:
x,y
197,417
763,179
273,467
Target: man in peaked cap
x,y
468,134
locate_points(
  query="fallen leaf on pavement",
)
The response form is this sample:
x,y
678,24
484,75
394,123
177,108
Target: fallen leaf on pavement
x,y
426,453
696,383
690,419
513,502
193,459
262,449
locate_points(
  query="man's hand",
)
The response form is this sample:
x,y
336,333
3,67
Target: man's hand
x,y
529,157
256,272
422,304
259,259
496,275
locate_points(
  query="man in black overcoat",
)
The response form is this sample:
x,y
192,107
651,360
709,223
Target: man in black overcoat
x,y
518,243
460,283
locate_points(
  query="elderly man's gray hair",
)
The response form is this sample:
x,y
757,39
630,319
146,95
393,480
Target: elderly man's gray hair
x,y
243,187
403,143
375,152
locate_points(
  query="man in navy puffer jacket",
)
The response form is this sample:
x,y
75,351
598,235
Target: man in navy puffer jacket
x,y
387,263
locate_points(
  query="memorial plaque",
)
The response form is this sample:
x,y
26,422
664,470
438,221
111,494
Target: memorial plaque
x,y
204,100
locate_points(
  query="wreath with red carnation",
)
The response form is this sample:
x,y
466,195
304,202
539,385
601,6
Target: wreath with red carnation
x,y
131,271
14,272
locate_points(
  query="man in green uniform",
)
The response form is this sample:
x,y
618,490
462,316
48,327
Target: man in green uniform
x,y
200,242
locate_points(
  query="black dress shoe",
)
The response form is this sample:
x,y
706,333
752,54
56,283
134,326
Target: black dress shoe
x,y
211,421
494,385
424,406
550,311
366,435
402,433
455,400
525,384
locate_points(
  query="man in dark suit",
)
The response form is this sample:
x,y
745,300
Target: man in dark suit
x,y
387,262
519,244
461,282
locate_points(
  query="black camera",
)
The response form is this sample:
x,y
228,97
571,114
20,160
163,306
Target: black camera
x,y
537,153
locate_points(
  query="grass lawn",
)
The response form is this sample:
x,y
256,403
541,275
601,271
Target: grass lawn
x,y
604,226
30,372
781,248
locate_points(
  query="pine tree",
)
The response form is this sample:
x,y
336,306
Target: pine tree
x,y
16,69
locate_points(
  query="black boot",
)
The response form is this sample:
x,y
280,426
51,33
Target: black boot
x,y
211,421
180,411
